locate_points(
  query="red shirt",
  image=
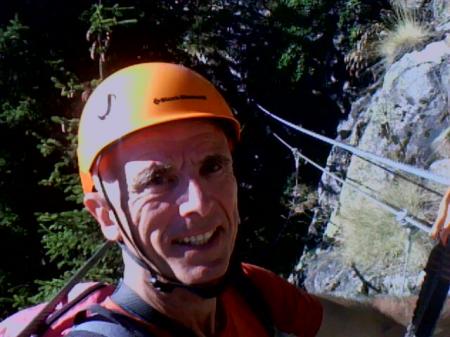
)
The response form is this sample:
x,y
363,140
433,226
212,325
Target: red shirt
x,y
293,310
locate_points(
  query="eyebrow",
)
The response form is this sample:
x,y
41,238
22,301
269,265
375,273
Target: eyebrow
x,y
142,178
222,158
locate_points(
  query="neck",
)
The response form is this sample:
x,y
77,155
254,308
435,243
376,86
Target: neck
x,y
196,313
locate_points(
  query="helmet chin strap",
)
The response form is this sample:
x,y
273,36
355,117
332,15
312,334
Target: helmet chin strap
x,y
158,281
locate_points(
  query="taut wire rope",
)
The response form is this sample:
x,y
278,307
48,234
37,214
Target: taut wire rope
x,y
401,215
444,180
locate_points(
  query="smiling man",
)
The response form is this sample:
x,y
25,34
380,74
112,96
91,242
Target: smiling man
x,y
155,143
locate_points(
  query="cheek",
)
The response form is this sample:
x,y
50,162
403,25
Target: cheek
x,y
227,194
153,222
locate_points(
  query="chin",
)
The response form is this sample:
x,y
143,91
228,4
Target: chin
x,y
202,274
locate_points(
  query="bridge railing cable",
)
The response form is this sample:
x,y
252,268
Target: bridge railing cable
x,y
444,180
403,177
401,215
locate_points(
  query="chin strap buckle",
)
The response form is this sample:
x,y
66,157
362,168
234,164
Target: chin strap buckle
x,y
164,287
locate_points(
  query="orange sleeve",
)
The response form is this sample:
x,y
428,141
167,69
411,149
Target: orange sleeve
x,y
293,310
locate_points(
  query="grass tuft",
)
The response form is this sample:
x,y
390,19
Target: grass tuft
x,y
407,32
374,240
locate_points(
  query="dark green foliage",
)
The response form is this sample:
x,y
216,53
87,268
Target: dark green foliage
x,y
71,236
354,16
20,118
53,53
102,19
41,201
301,25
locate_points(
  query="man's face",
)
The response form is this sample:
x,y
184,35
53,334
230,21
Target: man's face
x,y
178,183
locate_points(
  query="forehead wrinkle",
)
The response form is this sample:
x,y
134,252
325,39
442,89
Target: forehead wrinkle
x,y
210,145
176,153
161,149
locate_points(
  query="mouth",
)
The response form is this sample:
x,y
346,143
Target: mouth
x,y
197,240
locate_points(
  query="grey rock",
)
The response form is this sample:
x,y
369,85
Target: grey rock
x,y
441,10
407,119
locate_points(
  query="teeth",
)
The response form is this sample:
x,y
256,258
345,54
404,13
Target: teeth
x,y
197,240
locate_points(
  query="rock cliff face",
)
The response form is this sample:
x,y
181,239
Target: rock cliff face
x,y
364,249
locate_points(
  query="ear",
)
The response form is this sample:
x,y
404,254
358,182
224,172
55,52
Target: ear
x,y
99,209
441,227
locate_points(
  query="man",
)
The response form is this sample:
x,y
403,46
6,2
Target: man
x,y
155,143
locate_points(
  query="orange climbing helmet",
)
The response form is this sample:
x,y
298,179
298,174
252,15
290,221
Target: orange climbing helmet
x,y
141,96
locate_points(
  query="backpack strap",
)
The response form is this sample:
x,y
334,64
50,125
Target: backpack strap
x,y
131,302
106,323
73,302
120,325
63,316
99,329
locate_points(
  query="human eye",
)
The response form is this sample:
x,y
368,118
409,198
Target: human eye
x,y
214,164
156,181
161,180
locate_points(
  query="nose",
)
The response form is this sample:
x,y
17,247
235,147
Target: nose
x,y
195,200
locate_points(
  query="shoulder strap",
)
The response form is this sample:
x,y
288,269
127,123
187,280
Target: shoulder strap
x,y
99,329
106,323
128,300
58,319
72,303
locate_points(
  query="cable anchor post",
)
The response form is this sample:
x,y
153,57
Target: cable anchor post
x,y
407,256
297,155
401,217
